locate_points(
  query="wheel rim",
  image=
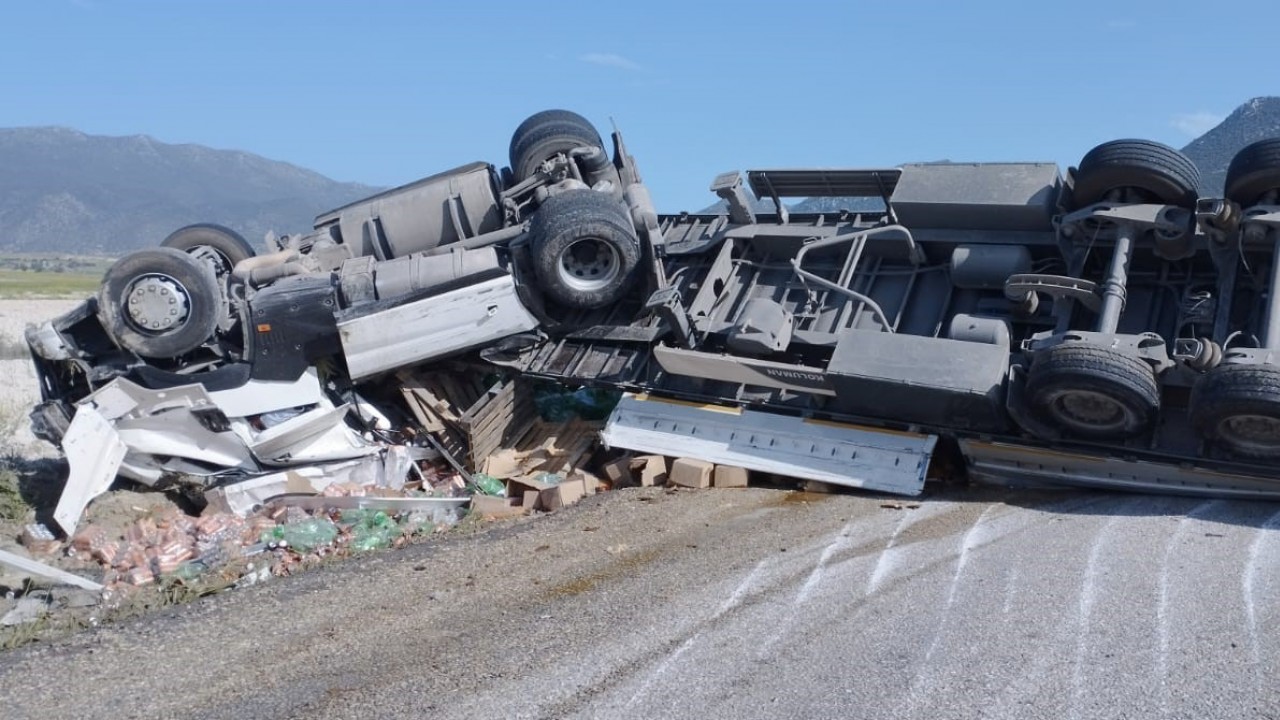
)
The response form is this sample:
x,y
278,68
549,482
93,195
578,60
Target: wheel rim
x,y
156,304
1257,434
1090,411
588,264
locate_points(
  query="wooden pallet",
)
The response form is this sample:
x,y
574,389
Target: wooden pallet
x,y
498,419
553,447
474,424
439,400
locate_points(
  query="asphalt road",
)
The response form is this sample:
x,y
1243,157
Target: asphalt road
x,y
735,604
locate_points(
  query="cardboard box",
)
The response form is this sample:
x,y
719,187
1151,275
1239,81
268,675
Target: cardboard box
x,y
504,463
729,476
618,473
497,507
688,472
652,470
567,492
530,499
528,488
590,481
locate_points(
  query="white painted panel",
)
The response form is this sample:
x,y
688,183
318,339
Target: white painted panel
x,y
94,451
259,396
434,327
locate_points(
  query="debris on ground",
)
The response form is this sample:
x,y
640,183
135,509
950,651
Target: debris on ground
x,y
482,446
28,608
170,544
39,539
45,571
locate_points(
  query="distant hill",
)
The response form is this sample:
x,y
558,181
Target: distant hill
x,y
1255,120
64,191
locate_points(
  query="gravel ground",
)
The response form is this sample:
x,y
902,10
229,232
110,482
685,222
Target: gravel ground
x,y
18,391
753,603
16,314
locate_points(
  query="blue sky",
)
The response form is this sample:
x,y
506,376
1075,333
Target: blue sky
x,y
385,92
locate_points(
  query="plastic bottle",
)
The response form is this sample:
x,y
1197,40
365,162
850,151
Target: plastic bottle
x,y
304,535
488,484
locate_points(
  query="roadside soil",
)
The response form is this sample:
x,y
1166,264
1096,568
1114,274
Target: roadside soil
x,y
18,388
967,602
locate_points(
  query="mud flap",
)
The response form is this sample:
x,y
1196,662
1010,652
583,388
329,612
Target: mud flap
x,y
883,460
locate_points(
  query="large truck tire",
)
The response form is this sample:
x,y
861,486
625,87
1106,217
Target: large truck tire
x,y
1238,407
1157,172
543,135
223,242
1093,392
585,250
1253,172
159,303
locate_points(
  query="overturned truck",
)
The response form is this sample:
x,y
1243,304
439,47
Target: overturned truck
x,y
1107,327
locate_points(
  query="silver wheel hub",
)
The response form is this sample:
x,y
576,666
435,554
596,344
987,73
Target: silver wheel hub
x,y
157,303
589,264
1261,432
1090,410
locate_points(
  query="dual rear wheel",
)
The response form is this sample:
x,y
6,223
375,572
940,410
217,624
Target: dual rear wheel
x,y
1096,393
1099,393
1091,392
1238,406
584,244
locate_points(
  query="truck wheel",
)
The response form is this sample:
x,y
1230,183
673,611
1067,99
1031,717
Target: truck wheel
x,y
223,243
585,251
159,303
1238,406
545,134
1093,392
1253,172
1156,172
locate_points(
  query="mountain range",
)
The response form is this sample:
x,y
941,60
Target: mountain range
x,y
64,191
1255,120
